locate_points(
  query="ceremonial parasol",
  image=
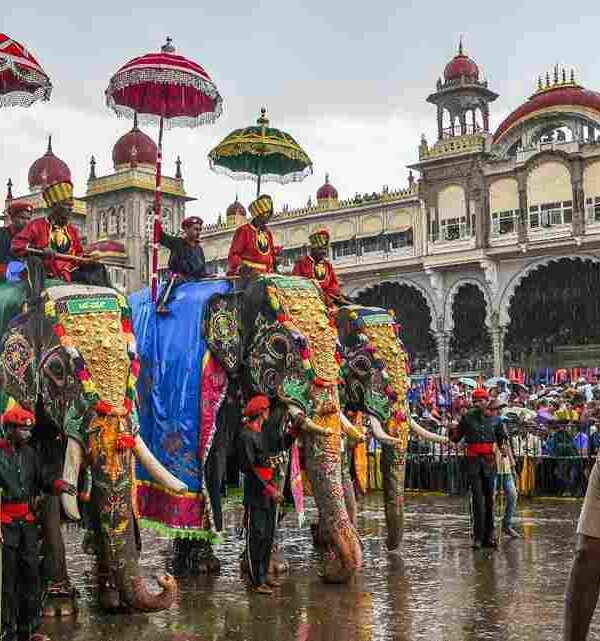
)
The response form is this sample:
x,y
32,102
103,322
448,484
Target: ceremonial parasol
x,y
261,153
169,90
22,79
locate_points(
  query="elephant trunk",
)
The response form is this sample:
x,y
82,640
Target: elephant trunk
x,y
133,590
344,556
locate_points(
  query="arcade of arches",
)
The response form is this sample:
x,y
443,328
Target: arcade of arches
x,y
555,316
554,322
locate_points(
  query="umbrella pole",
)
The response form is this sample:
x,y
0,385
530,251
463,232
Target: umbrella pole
x,y
258,186
157,213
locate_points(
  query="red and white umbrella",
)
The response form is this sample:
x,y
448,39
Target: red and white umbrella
x,y
22,79
169,90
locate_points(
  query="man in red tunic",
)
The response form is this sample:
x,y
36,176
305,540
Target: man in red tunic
x,y
18,215
252,251
317,267
54,236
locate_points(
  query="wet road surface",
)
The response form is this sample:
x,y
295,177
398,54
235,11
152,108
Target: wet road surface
x,y
440,590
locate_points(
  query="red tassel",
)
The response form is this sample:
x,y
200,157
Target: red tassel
x,y
125,442
102,407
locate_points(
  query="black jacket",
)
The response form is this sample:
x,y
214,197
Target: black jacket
x,y
185,259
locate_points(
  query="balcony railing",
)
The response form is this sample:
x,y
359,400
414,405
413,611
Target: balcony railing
x,y
450,233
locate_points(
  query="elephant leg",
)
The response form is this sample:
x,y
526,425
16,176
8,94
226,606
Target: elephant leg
x,y
348,486
60,595
393,470
583,588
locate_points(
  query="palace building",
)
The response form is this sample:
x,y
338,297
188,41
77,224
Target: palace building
x,y
490,255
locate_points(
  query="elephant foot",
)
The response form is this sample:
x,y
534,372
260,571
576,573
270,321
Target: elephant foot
x,y
278,564
244,567
108,598
333,570
60,600
195,558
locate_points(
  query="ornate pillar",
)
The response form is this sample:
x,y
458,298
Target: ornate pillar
x,y
498,332
440,122
442,341
485,110
578,199
523,208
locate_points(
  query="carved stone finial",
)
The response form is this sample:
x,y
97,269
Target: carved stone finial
x,y
178,173
539,83
573,76
9,186
564,75
49,150
92,175
411,179
547,79
460,46
263,120
168,46
555,74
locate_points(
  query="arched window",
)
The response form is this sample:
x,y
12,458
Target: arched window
x,y
122,222
452,212
112,221
149,222
102,224
504,207
166,216
549,196
591,189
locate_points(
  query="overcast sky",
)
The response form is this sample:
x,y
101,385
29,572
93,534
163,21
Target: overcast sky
x,y
348,83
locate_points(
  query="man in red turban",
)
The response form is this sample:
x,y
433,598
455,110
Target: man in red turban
x,y
21,483
186,261
18,215
317,267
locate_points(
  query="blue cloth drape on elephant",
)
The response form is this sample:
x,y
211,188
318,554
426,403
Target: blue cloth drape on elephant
x,y
172,349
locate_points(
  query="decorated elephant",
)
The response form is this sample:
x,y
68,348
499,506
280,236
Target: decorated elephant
x,y
72,359
376,381
214,349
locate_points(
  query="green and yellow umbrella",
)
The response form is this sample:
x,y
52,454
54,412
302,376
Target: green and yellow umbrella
x,y
261,153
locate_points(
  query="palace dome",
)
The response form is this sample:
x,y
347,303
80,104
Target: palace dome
x,y
135,146
460,66
47,170
556,98
236,209
327,191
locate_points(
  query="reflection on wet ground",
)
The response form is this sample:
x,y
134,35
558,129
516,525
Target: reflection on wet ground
x,y
439,591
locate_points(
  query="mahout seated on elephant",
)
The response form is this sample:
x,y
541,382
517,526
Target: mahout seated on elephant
x,y
72,360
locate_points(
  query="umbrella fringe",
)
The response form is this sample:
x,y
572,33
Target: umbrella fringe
x,y
296,176
24,98
169,123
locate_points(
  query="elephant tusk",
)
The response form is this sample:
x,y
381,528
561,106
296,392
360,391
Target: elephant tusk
x,y
156,470
379,433
350,430
73,459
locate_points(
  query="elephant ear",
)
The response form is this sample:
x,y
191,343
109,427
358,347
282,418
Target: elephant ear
x,y
18,365
223,330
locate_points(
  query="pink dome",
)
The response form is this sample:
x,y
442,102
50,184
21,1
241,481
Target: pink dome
x,y
459,66
135,146
236,209
327,191
48,170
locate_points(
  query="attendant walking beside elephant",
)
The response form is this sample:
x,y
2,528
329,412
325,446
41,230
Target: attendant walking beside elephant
x,y
22,482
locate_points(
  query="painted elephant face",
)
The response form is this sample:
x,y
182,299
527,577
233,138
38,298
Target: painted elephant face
x,y
293,351
375,368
